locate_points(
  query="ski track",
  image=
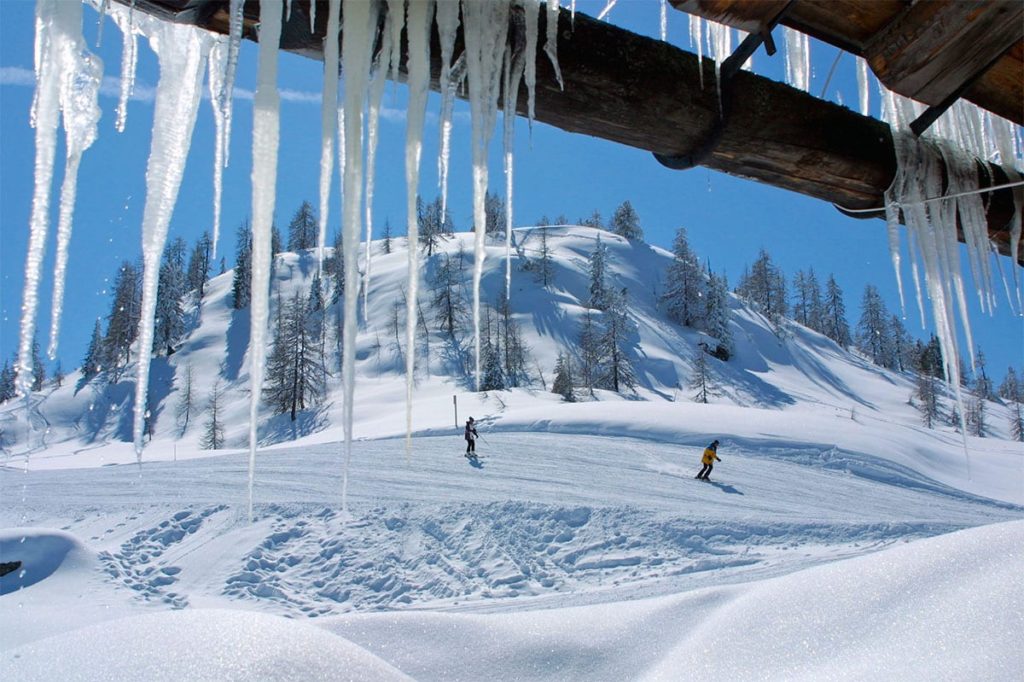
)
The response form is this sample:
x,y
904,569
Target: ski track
x,y
541,519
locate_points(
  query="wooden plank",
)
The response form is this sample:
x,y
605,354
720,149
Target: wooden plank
x,y
645,93
896,34
934,48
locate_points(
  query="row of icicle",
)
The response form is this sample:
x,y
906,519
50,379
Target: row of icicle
x,y
68,78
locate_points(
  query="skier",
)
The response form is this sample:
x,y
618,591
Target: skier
x,y
471,437
708,460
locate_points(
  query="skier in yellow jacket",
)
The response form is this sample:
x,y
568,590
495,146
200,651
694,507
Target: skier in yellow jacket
x,y
708,460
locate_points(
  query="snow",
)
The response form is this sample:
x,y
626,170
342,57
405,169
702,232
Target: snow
x,y
837,538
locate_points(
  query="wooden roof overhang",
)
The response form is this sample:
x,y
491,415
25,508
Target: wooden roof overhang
x,y
647,94
932,52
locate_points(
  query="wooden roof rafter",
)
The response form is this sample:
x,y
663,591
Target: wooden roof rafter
x,y
647,94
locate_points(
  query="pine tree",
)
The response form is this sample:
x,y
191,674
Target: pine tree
x,y
493,378
1009,390
295,369
589,347
186,398
198,273
701,380
8,387
303,229
387,236
834,324
435,224
764,286
807,305
494,212
93,362
58,375
169,324
123,320
626,223
928,397
1012,391
596,268
595,220
213,437
873,328
619,329
276,242
515,356
544,270
563,384
684,293
982,384
335,268
902,345
241,285
38,368
717,315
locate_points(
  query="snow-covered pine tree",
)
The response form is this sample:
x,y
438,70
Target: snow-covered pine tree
x,y
807,305
213,436
93,361
123,320
493,378
241,284
386,238
435,224
594,220
902,345
589,349
983,386
303,230
1012,391
276,243
626,223
701,381
928,399
834,324
684,286
764,286
8,388
563,384
198,273
596,268
446,295
38,368
619,331
543,270
717,315
169,324
186,398
295,371
494,216
334,266
873,328
516,354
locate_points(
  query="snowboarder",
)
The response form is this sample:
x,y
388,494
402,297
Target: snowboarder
x,y
708,460
471,437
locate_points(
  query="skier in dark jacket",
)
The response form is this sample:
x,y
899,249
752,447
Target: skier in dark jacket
x,y
708,460
471,436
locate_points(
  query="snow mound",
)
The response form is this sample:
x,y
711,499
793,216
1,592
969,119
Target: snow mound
x,y
196,645
40,553
949,607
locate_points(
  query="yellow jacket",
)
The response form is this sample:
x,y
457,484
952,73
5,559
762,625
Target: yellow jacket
x,y
709,456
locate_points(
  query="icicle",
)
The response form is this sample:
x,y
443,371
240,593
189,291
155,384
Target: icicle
x,y
510,90
697,40
356,52
125,21
457,76
551,42
182,52
892,223
664,20
80,104
328,121
721,45
377,82
219,101
99,22
798,60
607,8
532,25
862,86
396,10
235,25
418,32
447,28
58,40
1015,234
266,130
312,17
572,12
485,28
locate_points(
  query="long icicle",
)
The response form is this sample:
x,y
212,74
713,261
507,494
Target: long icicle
x,y
356,49
328,124
129,60
182,51
418,67
513,73
220,103
266,130
58,33
378,79
81,120
447,28
485,30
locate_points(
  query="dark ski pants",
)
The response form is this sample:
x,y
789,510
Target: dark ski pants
x,y
706,471
470,445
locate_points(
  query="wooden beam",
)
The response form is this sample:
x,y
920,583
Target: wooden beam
x,y
923,50
645,93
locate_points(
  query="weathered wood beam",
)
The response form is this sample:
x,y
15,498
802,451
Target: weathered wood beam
x,y
645,93
923,50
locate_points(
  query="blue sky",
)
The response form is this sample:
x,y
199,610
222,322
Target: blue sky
x,y
728,219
